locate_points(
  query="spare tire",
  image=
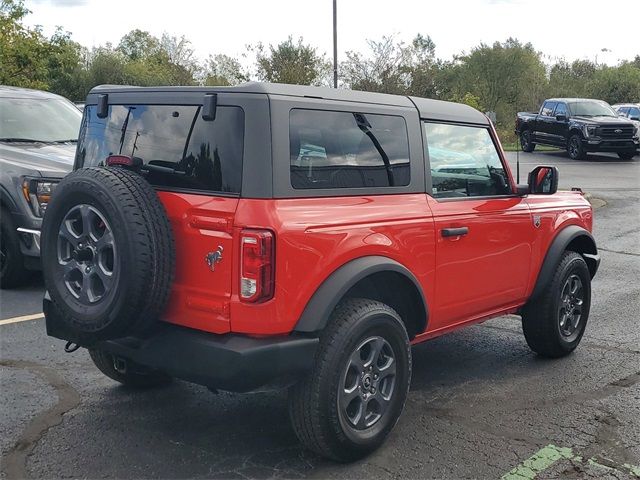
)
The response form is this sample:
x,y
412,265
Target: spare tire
x,y
108,254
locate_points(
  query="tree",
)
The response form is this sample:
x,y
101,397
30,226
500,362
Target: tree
x,y
289,62
384,69
394,67
138,45
506,77
23,51
571,80
224,70
616,84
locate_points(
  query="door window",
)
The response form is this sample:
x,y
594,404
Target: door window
x,y
634,112
547,108
561,109
464,162
347,150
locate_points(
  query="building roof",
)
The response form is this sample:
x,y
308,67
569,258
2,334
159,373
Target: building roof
x,y
428,109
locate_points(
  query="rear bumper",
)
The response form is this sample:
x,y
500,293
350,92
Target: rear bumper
x,y
231,362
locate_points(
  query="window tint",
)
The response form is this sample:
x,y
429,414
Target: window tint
x,y
561,109
623,111
464,162
547,108
634,112
347,150
178,148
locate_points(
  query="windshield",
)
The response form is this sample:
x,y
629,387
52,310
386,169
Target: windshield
x,y
591,109
40,120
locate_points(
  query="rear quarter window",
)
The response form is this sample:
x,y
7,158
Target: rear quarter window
x,y
330,149
179,150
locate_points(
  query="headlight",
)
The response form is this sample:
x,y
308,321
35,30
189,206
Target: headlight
x,y
590,130
37,193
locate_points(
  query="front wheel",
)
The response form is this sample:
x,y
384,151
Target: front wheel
x,y
626,155
575,148
346,407
554,325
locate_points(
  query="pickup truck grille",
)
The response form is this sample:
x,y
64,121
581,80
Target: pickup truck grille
x,y
622,132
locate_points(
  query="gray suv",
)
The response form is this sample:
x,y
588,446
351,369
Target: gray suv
x,y
38,136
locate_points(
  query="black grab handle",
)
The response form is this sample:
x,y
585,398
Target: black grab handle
x,y
454,232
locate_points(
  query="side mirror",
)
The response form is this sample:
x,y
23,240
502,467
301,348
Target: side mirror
x,y
635,117
543,180
561,117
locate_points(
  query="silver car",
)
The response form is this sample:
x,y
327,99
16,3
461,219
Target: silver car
x,y
38,136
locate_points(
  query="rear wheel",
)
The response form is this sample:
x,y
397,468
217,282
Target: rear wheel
x,y
107,253
553,325
525,141
626,155
575,148
12,271
346,407
127,373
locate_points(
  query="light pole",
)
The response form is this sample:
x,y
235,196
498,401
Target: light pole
x,y
335,44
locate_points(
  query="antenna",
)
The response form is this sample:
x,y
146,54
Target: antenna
x,y
518,162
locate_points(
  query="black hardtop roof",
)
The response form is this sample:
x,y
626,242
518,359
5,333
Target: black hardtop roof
x,y
428,109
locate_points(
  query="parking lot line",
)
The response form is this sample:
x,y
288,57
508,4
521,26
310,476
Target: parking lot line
x,y
23,318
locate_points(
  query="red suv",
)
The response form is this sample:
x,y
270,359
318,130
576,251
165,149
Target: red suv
x,y
265,236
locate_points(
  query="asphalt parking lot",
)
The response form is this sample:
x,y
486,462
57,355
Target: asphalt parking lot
x,y
481,404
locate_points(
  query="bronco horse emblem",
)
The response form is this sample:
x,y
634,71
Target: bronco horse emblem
x,y
213,258
536,221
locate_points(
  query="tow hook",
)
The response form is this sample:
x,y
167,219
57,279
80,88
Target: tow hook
x,y
120,365
71,347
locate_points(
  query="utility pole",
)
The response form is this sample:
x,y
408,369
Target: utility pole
x,y
335,44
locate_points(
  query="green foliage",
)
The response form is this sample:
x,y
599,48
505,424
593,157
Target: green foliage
x,y
616,85
224,70
289,62
504,76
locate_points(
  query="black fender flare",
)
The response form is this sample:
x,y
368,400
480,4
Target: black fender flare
x,y
558,246
318,309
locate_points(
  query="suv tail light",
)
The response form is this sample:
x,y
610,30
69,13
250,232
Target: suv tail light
x,y
256,265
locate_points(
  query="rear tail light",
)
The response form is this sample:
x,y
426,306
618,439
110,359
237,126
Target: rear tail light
x,y
257,265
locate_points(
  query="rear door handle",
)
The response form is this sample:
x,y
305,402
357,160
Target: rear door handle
x,y
454,232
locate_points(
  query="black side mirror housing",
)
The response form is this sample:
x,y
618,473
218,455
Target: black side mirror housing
x,y
543,180
561,118
522,189
209,107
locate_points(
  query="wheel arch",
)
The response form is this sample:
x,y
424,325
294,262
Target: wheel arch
x,y
373,277
572,238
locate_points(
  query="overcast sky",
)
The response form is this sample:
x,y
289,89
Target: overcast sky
x,y
575,29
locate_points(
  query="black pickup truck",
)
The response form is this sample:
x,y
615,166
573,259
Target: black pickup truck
x,y
580,125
